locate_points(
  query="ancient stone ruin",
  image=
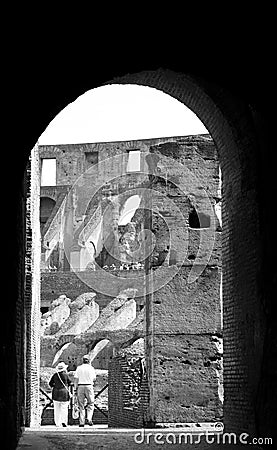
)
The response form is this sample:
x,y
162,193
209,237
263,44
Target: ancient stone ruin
x,y
139,290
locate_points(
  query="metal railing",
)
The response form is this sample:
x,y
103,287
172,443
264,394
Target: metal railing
x,y
97,395
51,404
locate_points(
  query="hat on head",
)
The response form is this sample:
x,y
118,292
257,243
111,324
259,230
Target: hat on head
x,y
61,366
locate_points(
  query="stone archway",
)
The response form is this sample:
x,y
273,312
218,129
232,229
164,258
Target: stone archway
x,y
243,319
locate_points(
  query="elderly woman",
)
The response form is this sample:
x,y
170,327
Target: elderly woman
x,y
60,395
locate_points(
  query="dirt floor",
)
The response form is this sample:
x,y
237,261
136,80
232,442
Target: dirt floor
x,y
87,438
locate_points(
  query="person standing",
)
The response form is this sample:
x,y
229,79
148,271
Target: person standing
x,y
84,378
60,383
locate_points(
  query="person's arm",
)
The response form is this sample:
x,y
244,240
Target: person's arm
x,y
52,381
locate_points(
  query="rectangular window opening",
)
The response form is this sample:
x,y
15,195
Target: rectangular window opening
x,y
133,164
91,158
48,172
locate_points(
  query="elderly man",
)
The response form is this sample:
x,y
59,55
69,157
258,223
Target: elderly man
x,y
83,384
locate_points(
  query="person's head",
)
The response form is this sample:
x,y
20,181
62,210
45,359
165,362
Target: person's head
x,y
86,359
61,366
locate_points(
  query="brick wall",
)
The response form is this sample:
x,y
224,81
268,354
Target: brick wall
x,y
71,158
128,393
32,291
13,395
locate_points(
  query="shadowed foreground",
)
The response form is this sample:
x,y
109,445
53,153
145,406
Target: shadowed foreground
x,y
49,438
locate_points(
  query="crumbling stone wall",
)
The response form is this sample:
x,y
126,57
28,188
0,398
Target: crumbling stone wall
x,y
128,393
179,308
185,316
87,331
72,163
70,284
83,312
118,314
58,312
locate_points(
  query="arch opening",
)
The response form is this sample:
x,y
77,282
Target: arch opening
x,y
190,93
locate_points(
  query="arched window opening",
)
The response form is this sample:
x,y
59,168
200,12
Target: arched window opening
x,y
129,209
199,220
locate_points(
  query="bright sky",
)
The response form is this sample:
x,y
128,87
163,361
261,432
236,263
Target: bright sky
x,y
121,112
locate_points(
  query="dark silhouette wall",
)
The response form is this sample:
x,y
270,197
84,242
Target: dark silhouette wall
x,y
242,99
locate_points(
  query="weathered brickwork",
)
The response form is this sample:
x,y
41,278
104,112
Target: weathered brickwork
x,y
128,408
191,363
182,311
32,292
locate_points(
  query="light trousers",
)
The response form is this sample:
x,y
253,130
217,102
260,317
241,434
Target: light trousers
x,y
60,413
85,396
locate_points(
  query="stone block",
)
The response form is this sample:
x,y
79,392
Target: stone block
x,y
187,379
119,313
82,300
80,320
195,308
58,312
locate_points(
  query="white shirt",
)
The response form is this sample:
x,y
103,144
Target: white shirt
x,y
85,374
